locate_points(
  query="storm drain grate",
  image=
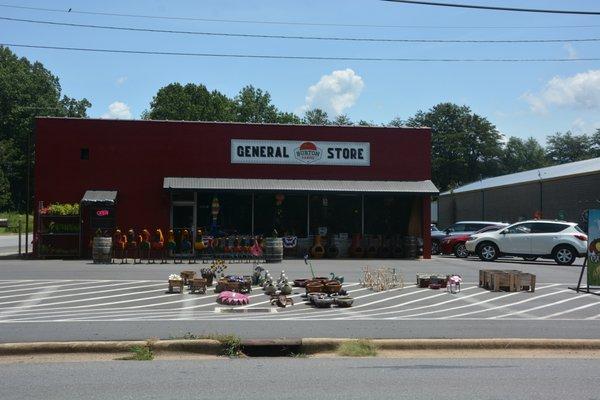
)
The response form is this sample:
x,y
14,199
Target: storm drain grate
x,y
232,310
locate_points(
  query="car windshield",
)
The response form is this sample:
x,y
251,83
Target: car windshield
x,y
434,228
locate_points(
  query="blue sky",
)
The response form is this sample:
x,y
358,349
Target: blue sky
x,y
521,99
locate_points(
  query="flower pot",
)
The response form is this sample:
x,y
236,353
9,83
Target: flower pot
x,y
332,287
323,302
209,279
314,287
344,301
300,282
315,295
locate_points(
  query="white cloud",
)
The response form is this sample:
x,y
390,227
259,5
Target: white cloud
x,y
580,125
571,51
335,92
580,91
121,80
117,110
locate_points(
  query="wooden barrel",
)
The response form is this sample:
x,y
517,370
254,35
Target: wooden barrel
x,y
102,250
273,250
410,247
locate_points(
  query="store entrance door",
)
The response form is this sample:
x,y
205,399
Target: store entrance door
x,y
183,217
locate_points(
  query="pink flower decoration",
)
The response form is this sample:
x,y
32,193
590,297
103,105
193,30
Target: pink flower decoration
x,y
232,298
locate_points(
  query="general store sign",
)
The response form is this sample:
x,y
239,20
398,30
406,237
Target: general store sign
x,y
300,152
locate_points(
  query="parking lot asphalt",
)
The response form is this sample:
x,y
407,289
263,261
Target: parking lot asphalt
x,y
78,300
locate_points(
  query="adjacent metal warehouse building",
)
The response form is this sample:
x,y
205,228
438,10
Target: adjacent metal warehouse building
x,y
558,192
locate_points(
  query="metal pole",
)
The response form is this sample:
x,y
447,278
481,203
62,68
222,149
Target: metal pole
x,y
20,229
28,194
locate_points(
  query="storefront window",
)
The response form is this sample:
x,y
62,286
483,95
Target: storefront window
x,y
284,212
387,215
338,213
234,213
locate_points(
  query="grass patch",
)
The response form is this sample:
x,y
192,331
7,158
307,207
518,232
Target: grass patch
x,y
139,353
13,222
232,345
357,348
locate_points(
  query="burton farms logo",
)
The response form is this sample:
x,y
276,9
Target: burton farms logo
x,y
308,153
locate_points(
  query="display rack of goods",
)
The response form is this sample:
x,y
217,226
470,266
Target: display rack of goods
x,y
58,230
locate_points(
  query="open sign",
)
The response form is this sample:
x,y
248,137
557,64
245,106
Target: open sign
x,y
102,213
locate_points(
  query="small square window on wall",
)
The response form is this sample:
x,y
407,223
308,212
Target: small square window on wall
x,y
85,153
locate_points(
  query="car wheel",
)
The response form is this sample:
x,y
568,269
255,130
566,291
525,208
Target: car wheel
x,y
488,251
435,247
530,258
460,251
564,255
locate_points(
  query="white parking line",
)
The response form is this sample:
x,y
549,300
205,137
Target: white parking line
x,y
505,305
571,310
35,299
536,308
31,286
89,293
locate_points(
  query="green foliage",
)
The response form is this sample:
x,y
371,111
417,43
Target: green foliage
x,y
522,155
254,105
61,209
464,145
232,345
342,119
357,348
13,222
190,103
5,195
139,353
27,90
316,117
566,147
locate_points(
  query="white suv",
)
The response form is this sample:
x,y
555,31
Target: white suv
x,y
562,241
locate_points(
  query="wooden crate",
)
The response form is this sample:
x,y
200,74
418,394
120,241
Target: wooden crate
x,y
485,277
526,282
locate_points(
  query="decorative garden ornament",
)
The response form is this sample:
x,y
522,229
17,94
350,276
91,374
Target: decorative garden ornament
x,y
233,298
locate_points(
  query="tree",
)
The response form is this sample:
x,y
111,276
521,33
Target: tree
x,y
190,103
27,90
254,105
288,118
5,195
596,144
465,146
316,116
522,155
342,119
566,147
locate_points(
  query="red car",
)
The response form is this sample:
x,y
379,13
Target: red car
x,y
455,244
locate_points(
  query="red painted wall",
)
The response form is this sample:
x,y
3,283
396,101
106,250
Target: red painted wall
x,y
133,157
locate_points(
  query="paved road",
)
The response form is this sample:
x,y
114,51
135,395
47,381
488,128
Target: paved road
x,y
89,305
305,379
10,243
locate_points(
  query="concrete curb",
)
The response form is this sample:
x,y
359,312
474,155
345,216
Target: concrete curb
x,y
306,345
318,345
203,346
